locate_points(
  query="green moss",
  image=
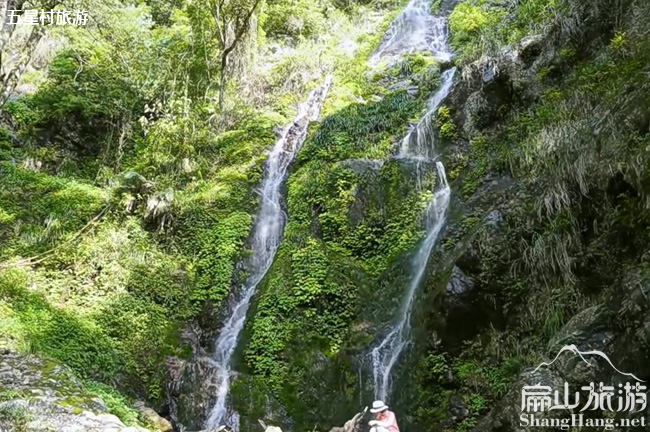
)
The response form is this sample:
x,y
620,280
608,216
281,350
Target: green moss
x,y
115,402
8,394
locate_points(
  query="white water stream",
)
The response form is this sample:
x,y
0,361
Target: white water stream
x,y
413,30
418,147
266,237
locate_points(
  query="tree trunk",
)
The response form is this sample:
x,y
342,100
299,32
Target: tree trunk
x,y
222,83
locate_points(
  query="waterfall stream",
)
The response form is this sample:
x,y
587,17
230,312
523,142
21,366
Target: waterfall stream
x,y
417,147
266,237
415,30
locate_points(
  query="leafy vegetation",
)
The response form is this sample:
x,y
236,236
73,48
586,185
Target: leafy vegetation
x,y
338,245
480,27
128,175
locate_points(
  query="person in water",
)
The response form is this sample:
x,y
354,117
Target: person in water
x,y
385,420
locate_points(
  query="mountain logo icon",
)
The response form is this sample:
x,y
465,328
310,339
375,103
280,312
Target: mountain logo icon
x,y
582,354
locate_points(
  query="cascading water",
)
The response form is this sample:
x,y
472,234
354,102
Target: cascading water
x,y
418,148
415,29
266,237
386,354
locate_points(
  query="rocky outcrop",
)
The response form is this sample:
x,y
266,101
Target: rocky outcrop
x,y
506,415
190,390
40,395
152,417
491,83
459,284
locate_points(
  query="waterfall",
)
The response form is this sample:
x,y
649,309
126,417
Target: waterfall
x,y
415,30
417,147
266,237
417,144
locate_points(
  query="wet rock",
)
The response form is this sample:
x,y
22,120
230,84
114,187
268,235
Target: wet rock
x,y
191,389
489,72
493,218
153,417
490,83
476,107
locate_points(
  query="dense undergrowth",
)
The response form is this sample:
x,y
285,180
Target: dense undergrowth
x,y
127,195
574,148
126,198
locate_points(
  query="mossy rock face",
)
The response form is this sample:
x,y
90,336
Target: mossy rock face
x,y
40,395
544,277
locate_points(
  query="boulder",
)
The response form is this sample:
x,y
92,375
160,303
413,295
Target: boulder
x,y
153,417
457,409
459,284
41,395
587,331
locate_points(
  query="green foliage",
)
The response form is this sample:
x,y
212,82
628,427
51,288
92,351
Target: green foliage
x,y
57,333
472,22
111,314
297,19
114,401
15,418
435,7
467,20
347,226
39,210
219,247
126,123
445,125
483,27
412,64
80,105
360,130
302,18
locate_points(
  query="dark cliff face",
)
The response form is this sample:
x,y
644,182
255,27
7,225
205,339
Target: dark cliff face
x,y
544,144
547,245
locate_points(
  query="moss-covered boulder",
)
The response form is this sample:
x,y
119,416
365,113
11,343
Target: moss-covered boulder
x,y
41,395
